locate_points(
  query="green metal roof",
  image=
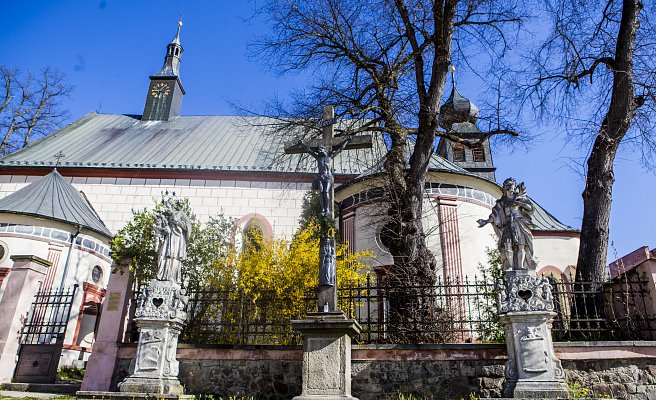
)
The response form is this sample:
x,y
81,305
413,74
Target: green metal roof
x,y
219,143
204,143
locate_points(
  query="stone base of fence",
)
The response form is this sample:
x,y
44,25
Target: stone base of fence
x,y
622,370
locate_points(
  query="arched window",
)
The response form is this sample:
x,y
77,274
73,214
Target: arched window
x,y
252,236
250,229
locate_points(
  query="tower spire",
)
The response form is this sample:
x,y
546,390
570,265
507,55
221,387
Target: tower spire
x,y
458,117
165,93
174,51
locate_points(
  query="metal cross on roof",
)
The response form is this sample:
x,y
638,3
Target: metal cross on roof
x,y
59,157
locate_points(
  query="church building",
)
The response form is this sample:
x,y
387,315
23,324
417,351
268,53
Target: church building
x,y
236,165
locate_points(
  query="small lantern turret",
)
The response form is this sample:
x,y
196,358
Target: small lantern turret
x,y
458,116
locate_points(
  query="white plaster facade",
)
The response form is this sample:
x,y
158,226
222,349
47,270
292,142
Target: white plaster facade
x,y
462,248
51,240
115,198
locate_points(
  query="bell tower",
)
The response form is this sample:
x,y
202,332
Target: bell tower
x,y
164,98
472,152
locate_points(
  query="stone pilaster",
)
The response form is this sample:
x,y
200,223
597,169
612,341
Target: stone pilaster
x,y
111,329
22,284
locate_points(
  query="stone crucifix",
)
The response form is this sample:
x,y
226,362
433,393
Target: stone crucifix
x,y
324,151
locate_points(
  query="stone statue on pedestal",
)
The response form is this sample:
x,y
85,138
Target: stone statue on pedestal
x,y
525,302
327,332
161,313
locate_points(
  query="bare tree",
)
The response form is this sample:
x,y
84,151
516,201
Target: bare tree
x,y
30,106
384,64
596,74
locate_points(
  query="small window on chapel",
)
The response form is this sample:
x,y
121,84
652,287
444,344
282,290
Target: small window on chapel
x,y
478,153
458,152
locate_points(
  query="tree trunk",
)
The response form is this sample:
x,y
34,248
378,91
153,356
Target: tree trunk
x,y
591,264
597,197
415,315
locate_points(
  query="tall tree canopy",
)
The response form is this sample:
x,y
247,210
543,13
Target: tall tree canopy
x,y
595,73
384,64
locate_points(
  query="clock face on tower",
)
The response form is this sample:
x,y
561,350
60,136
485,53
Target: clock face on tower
x,y
160,90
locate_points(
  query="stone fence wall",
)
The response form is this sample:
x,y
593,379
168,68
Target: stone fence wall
x,y
623,370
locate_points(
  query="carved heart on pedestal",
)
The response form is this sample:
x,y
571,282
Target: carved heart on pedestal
x,y
157,301
525,294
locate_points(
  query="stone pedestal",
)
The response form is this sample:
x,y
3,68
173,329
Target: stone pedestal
x,y
160,318
326,355
526,312
532,368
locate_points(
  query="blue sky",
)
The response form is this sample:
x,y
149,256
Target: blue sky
x,y
108,48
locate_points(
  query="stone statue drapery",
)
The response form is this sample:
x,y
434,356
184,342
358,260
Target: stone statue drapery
x,y
172,228
511,220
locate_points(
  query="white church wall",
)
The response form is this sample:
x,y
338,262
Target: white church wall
x,y
556,251
50,240
431,223
115,198
474,241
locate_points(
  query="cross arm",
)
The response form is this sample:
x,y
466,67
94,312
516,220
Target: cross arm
x,y
358,142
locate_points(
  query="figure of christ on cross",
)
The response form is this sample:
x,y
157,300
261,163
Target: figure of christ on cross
x,y
326,150
325,180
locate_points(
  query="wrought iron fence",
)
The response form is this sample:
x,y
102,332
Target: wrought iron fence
x,y
451,311
233,317
620,309
48,317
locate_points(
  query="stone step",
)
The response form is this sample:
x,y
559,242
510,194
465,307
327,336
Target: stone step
x,y
58,388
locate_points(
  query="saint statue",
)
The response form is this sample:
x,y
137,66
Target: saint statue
x,y
324,182
327,262
172,228
511,220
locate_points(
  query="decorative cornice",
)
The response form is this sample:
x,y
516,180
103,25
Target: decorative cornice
x,y
31,258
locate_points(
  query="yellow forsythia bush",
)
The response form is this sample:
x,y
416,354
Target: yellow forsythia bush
x,y
272,280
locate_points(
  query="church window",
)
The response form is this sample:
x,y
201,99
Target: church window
x,y
252,231
478,152
458,152
96,274
386,237
3,251
252,236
